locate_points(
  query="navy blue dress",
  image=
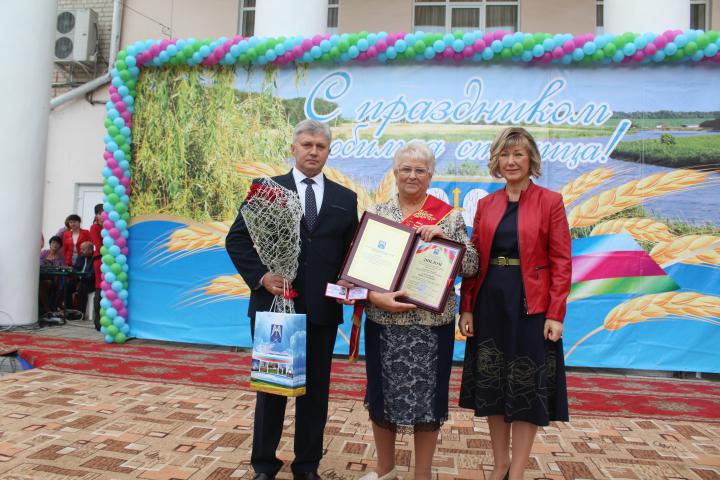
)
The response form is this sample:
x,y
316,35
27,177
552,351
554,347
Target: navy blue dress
x,y
509,368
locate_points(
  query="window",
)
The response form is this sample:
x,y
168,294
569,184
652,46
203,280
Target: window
x,y
451,15
247,18
332,20
699,10
599,18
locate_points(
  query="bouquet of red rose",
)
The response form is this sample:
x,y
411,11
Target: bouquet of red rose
x,y
272,214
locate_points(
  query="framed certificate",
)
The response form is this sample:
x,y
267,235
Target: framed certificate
x,y
387,256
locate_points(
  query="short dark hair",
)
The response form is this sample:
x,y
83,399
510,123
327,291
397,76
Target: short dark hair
x,y
98,208
55,238
73,216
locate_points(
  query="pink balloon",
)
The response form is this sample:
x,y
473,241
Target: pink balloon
x,y
123,312
372,51
113,90
112,163
547,58
120,106
111,294
639,56
650,49
317,39
488,38
458,57
164,43
114,232
125,182
568,46
297,51
105,286
362,57
660,41
306,44
107,224
381,45
499,34
117,303
120,241
479,45
114,97
448,52
107,155
105,217
117,171
124,250
155,50
126,116
468,51
557,52
391,40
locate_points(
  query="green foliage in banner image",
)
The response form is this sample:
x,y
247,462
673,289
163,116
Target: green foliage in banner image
x,y
192,129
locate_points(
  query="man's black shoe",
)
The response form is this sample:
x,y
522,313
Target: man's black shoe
x,y
306,476
263,476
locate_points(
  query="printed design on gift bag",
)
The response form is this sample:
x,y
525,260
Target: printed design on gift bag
x,y
276,334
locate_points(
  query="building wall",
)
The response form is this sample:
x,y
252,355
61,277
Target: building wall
x,y
375,16
715,15
557,16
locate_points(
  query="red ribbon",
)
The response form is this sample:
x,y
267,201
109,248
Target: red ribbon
x,y
290,294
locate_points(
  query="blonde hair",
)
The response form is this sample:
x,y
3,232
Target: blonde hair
x,y
512,137
415,150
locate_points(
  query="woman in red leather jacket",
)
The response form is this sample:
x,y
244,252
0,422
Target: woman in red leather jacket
x,y
73,237
512,312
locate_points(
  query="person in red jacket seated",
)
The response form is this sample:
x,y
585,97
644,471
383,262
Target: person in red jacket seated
x,y
512,312
73,237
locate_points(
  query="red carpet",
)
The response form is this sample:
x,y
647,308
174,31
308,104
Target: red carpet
x,y
590,394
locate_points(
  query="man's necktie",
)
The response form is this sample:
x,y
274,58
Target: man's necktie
x,y
310,204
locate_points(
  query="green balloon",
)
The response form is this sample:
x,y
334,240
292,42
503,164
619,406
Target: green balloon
x,y
261,49
120,338
420,46
325,57
517,49
679,55
122,276
691,48
713,35
120,207
125,148
180,57
528,43
104,250
506,54
122,55
107,189
364,34
702,41
116,268
120,65
538,37
108,260
131,86
125,75
343,45
243,59
619,41
458,34
113,198
113,130
354,37
112,330
125,284
125,216
251,53
105,321
598,56
334,52
173,60
108,123
610,49
119,139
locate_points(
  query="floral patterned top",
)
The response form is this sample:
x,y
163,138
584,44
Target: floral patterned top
x,y
454,227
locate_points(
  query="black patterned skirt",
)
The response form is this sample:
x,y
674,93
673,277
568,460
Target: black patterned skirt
x,y
408,375
510,369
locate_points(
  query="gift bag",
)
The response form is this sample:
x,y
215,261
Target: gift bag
x,y
279,352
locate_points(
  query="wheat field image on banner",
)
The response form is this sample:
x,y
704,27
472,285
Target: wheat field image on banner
x,y
634,152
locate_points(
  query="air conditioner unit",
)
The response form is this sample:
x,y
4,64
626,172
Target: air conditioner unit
x,y
76,36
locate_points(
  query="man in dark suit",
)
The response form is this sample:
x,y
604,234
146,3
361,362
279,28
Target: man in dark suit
x,y
326,231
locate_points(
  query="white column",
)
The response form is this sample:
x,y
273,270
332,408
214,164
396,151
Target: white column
x,y
642,16
274,18
27,33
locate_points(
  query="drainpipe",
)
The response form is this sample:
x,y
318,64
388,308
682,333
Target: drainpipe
x,y
105,78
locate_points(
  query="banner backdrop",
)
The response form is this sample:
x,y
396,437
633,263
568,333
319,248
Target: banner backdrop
x,y
634,151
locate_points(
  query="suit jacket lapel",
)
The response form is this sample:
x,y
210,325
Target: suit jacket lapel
x,y
329,191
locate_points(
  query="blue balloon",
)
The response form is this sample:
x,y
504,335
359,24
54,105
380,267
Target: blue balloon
x,y
110,277
538,51
344,57
307,58
119,122
391,53
106,172
125,329
362,44
113,114
567,59
487,54
120,190
526,56
547,45
697,56
113,216
448,39
659,56
172,49
681,40
458,45
105,303
123,294
618,57
104,268
711,50
119,155
121,224
117,286
439,46
670,49
270,55
113,181
123,91
102,330
125,268
108,241
589,48
125,199
335,39
429,52
116,82
109,339
629,49
121,259
111,312
315,52
508,41
204,51
577,55
114,251
354,52
496,46
468,38
400,46
118,322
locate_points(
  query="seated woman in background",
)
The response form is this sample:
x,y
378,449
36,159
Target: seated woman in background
x,y
73,237
50,286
